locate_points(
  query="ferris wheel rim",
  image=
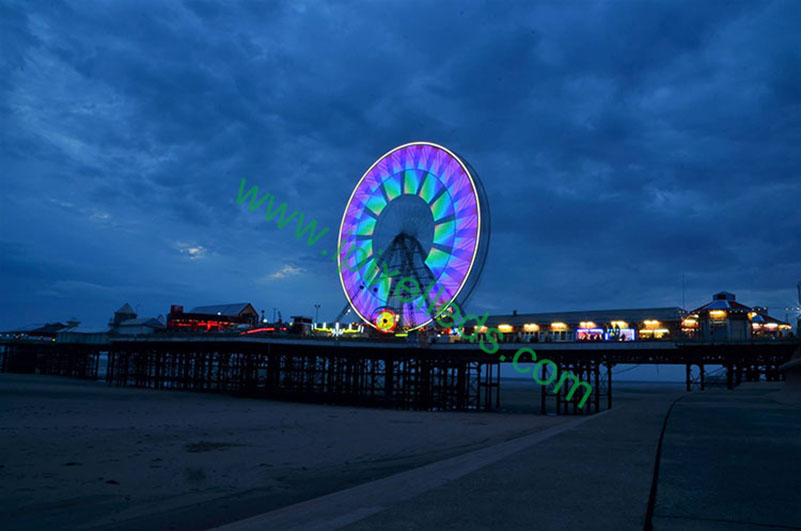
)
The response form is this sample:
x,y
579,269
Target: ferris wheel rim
x,y
477,195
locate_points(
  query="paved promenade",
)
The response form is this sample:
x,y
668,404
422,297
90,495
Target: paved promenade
x,y
730,461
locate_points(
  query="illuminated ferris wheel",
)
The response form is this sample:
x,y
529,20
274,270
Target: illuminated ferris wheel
x,y
413,237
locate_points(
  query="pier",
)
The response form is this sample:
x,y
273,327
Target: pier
x,y
389,374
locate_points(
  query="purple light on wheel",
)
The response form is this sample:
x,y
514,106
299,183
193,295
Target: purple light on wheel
x,y
418,197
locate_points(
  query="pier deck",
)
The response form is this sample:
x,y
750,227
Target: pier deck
x,y
389,374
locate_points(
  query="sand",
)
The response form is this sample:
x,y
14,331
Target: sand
x,y
79,455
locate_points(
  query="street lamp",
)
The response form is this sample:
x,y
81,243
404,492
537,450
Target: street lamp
x,y
316,313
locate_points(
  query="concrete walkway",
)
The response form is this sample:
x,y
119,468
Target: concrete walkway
x,y
350,505
593,474
596,476
731,460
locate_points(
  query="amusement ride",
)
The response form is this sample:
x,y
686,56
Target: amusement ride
x,y
413,238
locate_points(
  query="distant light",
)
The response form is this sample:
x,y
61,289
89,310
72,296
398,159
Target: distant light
x,y
717,314
619,324
505,328
531,327
657,333
587,324
651,323
558,325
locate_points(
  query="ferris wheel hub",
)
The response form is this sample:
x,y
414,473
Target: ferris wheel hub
x,y
419,210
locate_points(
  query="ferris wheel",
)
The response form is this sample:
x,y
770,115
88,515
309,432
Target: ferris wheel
x,y
413,237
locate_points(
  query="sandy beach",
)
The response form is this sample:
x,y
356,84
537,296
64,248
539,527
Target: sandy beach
x,y
82,455
79,454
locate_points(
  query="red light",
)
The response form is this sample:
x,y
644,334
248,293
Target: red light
x,y
255,330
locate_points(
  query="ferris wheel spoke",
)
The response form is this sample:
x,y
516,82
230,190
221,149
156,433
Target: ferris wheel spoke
x,y
416,216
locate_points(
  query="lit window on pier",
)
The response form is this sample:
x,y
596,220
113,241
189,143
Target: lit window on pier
x,y
717,314
654,333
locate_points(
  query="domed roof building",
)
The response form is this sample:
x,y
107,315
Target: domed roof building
x,y
725,319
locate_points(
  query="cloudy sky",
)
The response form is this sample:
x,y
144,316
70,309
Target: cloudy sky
x,y
622,145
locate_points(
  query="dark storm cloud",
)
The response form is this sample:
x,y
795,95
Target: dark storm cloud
x,y
621,144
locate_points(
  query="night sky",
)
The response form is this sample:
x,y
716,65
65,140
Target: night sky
x,y
621,145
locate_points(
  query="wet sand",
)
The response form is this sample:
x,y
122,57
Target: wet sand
x,y
81,455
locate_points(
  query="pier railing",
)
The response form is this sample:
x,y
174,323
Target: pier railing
x,y
395,374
